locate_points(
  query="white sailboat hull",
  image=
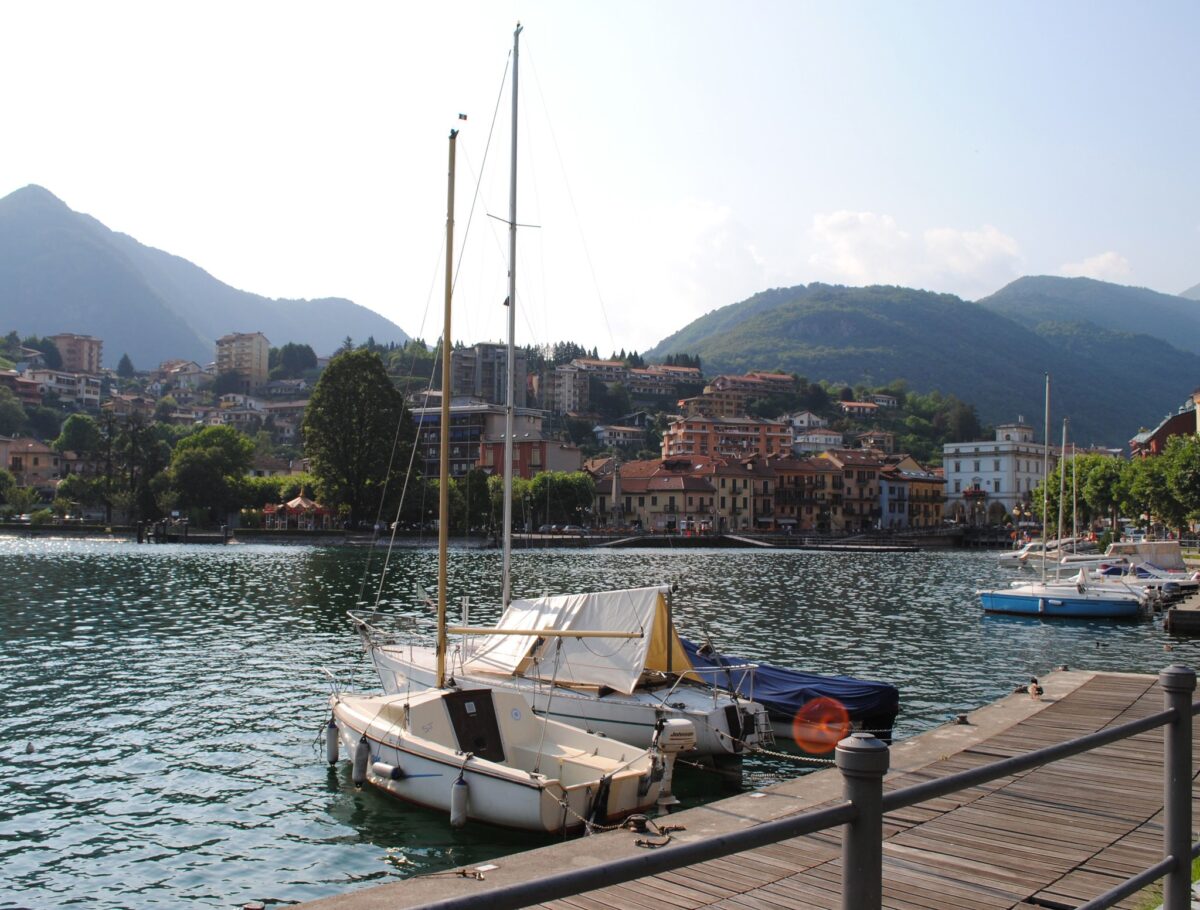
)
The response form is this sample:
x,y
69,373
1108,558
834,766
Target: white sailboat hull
x,y
724,728
545,781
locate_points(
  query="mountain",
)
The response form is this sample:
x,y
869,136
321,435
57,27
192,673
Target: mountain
x,y
62,271
1109,383
1037,299
1192,293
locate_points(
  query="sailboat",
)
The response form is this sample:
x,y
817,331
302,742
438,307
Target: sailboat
x,y
542,648
484,754
1072,598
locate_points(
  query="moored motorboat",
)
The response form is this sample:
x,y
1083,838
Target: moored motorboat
x,y
484,755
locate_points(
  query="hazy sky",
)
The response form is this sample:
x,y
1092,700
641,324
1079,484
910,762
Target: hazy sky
x,y
675,156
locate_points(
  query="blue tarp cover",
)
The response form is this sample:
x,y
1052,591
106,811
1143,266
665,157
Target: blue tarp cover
x,y
783,692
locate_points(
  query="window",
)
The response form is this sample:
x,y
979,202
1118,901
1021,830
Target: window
x,y
976,464
958,467
722,502
996,483
958,486
996,465
641,500
653,500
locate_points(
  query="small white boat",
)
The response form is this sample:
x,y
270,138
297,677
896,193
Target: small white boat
x,y
483,755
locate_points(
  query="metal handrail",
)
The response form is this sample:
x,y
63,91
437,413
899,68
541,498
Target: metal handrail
x,y
863,761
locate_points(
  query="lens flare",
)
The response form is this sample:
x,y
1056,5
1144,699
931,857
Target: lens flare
x,y
820,724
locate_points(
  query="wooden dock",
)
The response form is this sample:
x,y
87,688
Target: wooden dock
x,y
1184,617
1052,837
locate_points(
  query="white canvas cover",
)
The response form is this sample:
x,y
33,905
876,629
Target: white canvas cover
x,y
613,662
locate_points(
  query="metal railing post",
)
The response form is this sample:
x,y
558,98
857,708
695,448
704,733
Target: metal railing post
x,y
1178,683
863,760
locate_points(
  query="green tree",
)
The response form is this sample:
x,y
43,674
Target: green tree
x,y
22,499
125,367
207,469
7,483
1182,464
80,434
226,383
292,361
355,428
12,415
1150,492
49,349
476,500
1103,489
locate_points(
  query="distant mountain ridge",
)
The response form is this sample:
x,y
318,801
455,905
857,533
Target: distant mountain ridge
x,y
1109,383
62,271
1044,298
1192,293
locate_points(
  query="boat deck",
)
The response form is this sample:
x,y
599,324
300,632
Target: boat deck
x,y
1051,837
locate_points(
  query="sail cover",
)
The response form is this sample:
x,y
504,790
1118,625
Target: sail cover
x,y
615,663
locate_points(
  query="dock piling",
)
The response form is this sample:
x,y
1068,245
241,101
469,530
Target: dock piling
x,y
863,760
1178,683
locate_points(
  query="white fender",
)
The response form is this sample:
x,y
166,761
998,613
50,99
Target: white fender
x,y
362,754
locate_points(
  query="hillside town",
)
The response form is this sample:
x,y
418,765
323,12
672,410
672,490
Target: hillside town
x,y
692,454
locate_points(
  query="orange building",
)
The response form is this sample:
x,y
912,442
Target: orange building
x,y
730,437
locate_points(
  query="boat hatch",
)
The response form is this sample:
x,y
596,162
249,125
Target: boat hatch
x,y
473,716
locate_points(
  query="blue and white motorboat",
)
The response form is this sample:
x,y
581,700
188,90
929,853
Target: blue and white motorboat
x,y
1072,600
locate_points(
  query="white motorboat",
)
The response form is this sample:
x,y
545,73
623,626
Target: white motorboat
x,y
482,754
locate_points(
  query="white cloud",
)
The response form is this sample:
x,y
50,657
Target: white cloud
x,y
870,248
1110,266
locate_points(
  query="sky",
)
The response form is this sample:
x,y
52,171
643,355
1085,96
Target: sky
x,y
674,156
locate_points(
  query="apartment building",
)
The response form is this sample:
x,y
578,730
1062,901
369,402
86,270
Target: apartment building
x,y
481,372
247,354
80,353
733,437
77,388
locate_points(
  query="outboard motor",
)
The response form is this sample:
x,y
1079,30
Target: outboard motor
x,y
671,738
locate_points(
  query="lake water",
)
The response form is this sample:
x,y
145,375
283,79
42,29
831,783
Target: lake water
x,y
174,695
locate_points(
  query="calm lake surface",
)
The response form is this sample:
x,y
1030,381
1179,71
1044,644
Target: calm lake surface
x,y
174,695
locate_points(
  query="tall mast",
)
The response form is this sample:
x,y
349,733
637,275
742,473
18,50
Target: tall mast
x,y
1045,476
1062,493
510,406
1074,501
1062,481
444,459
